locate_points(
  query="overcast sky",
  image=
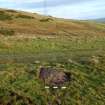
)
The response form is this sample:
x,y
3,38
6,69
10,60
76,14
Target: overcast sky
x,y
75,9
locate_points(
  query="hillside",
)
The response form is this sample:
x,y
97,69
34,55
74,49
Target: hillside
x,y
33,24
29,41
101,20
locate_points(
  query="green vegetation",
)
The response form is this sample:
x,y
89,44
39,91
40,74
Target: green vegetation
x,y
77,47
46,20
4,16
7,32
24,16
21,59
13,11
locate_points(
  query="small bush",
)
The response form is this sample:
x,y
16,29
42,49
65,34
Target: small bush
x,y
7,32
13,11
4,16
1,12
46,20
24,16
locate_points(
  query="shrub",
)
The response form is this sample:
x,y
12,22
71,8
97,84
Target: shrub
x,y
4,16
13,11
2,11
24,16
7,32
45,20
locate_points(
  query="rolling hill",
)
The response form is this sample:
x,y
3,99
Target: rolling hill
x,y
33,24
101,20
29,41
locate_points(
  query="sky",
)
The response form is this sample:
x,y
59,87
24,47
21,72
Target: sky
x,y
70,9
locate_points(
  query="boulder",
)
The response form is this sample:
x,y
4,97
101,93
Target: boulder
x,y
52,77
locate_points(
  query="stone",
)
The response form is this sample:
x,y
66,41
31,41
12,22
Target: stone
x,y
52,77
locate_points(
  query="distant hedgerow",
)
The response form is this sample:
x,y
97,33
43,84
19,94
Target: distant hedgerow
x,y
7,32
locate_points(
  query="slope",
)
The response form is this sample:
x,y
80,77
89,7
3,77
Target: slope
x,y
29,41
31,24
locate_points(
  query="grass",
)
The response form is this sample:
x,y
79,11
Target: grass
x,y
7,32
87,86
20,62
24,16
10,10
34,46
4,16
75,48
